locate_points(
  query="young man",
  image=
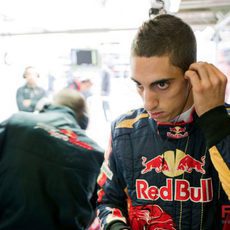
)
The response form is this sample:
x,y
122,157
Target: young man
x,y
167,166
28,96
48,168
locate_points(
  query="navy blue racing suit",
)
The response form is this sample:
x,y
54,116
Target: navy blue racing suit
x,y
167,175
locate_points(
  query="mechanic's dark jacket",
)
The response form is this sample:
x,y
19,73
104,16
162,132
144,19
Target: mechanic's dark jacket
x,y
167,176
48,172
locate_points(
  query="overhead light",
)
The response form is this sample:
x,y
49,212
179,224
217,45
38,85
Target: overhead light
x,y
157,7
172,6
164,6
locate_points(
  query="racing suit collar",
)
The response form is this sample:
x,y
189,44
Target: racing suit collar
x,y
177,129
183,118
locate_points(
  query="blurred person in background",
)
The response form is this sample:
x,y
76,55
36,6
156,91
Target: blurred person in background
x,y
167,164
105,90
48,167
81,83
27,96
72,80
86,86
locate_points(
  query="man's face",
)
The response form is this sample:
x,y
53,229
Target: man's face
x,y
31,77
162,87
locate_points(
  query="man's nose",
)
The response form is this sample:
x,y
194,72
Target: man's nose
x,y
150,100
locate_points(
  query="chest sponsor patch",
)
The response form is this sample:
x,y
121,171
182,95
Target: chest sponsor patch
x,y
173,164
178,190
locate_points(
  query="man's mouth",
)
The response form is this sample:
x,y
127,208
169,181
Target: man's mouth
x,y
155,115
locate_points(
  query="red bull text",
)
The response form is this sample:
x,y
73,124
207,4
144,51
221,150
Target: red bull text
x,y
175,189
180,191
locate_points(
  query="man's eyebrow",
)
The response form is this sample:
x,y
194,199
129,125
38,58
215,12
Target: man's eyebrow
x,y
135,80
163,80
157,81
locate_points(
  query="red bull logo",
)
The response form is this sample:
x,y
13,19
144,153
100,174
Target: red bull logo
x,y
188,163
158,164
64,134
177,132
173,165
181,191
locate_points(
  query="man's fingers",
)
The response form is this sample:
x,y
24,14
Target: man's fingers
x,y
217,76
208,86
201,69
208,75
193,78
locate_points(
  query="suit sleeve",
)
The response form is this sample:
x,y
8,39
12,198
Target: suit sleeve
x,y
112,199
216,127
39,96
19,99
2,136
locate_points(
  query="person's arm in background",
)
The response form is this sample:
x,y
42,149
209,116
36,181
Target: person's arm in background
x,y
40,94
2,136
112,199
20,99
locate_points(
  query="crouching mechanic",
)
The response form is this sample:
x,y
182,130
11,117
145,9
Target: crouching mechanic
x,y
167,165
48,167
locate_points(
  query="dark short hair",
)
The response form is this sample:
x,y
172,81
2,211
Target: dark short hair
x,y
166,35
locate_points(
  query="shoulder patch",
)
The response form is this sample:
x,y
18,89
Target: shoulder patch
x,y
128,123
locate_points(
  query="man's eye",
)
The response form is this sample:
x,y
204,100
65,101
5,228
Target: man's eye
x,y
163,85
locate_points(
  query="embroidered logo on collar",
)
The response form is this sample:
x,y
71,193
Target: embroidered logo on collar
x,y
177,132
64,134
